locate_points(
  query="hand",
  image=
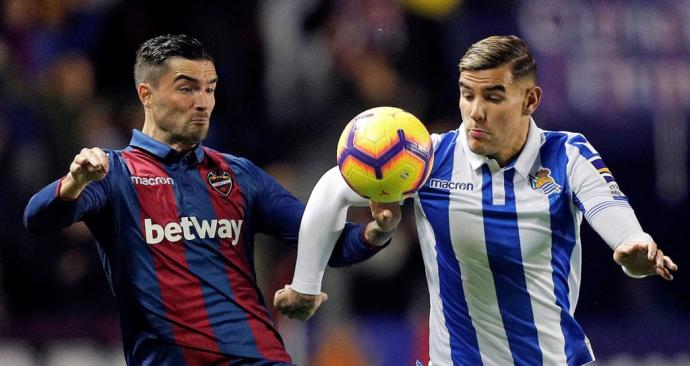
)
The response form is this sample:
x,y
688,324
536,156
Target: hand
x,y
386,218
295,305
386,215
644,259
88,166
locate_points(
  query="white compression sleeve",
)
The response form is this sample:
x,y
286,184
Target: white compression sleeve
x,y
615,224
323,221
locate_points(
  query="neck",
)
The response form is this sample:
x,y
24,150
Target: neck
x,y
505,157
157,134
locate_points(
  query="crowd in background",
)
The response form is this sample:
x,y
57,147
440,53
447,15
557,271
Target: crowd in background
x,y
291,75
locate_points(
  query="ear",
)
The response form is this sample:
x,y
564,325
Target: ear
x,y
532,98
145,91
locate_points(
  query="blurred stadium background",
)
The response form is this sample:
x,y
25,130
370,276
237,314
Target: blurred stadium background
x,y
292,73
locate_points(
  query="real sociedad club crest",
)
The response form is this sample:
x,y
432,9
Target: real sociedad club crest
x,y
220,180
542,181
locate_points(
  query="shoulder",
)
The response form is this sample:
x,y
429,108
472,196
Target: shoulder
x,y
236,163
442,139
569,140
445,142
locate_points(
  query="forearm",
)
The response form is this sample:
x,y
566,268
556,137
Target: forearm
x,y
46,212
615,224
322,224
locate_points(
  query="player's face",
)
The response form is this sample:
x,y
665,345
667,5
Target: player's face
x,y
495,111
182,102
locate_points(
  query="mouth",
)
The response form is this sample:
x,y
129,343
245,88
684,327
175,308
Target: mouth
x,y
199,120
478,133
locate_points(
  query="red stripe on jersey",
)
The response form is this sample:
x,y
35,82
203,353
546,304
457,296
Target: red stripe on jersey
x,y
180,290
242,281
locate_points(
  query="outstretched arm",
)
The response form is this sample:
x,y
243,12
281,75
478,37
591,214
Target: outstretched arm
x,y
322,223
68,199
607,210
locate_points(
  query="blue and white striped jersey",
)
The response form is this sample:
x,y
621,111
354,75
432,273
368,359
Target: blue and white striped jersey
x,y
502,251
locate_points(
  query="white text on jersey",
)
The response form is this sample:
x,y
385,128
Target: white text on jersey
x,y
190,228
446,184
151,181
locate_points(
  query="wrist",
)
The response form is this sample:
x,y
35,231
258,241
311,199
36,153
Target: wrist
x,y
69,188
375,236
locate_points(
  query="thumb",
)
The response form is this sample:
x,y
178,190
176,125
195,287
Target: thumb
x,y
324,297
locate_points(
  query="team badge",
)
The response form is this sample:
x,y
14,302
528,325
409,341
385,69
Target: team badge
x,y
543,182
220,180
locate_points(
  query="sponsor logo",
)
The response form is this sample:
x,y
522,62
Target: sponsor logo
x,y
543,181
190,228
446,184
220,181
151,181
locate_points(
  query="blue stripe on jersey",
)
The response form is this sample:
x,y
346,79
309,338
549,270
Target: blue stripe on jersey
x,y
563,240
212,273
151,298
505,260
596,209
580,142
463,337
239,167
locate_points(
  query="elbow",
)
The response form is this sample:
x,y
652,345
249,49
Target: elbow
x,y
31,223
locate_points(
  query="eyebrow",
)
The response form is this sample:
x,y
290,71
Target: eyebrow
x,y
191,79
498,87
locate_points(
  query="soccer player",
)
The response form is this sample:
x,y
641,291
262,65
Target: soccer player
x,y
175,223
498,223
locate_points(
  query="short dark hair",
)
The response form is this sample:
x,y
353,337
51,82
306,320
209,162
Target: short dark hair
x,y
496,51
153,54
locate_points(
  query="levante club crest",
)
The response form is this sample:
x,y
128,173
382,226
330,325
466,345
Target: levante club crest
x,y
220,180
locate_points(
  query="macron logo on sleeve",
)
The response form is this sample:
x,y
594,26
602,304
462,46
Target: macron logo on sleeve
x,y
191,228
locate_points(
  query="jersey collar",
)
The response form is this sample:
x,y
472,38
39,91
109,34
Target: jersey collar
x,y
523,163
160,149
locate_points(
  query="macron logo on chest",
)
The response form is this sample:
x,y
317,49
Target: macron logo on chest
x,y
151,181
191,228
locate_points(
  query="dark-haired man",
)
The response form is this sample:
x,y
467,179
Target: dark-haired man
x,y
499,224
175,223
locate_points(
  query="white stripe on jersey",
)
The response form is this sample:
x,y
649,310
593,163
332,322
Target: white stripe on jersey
x,y
439,339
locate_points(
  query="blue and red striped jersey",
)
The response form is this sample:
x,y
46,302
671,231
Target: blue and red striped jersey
x,y
175,233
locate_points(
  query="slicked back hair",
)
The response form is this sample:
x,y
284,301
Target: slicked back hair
x,y
496,51
152,55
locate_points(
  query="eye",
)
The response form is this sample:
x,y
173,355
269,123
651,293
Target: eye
x,y
186,89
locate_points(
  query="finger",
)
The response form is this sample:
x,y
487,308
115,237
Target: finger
x,y
659,259
385,215
664,273
92,158
102,157
651,251
324,296
81,160
75,168
668,263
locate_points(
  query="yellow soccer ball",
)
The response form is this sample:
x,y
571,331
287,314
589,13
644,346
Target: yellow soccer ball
x,y
385,154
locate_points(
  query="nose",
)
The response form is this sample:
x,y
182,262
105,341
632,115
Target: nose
x,y
202,102
477,111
